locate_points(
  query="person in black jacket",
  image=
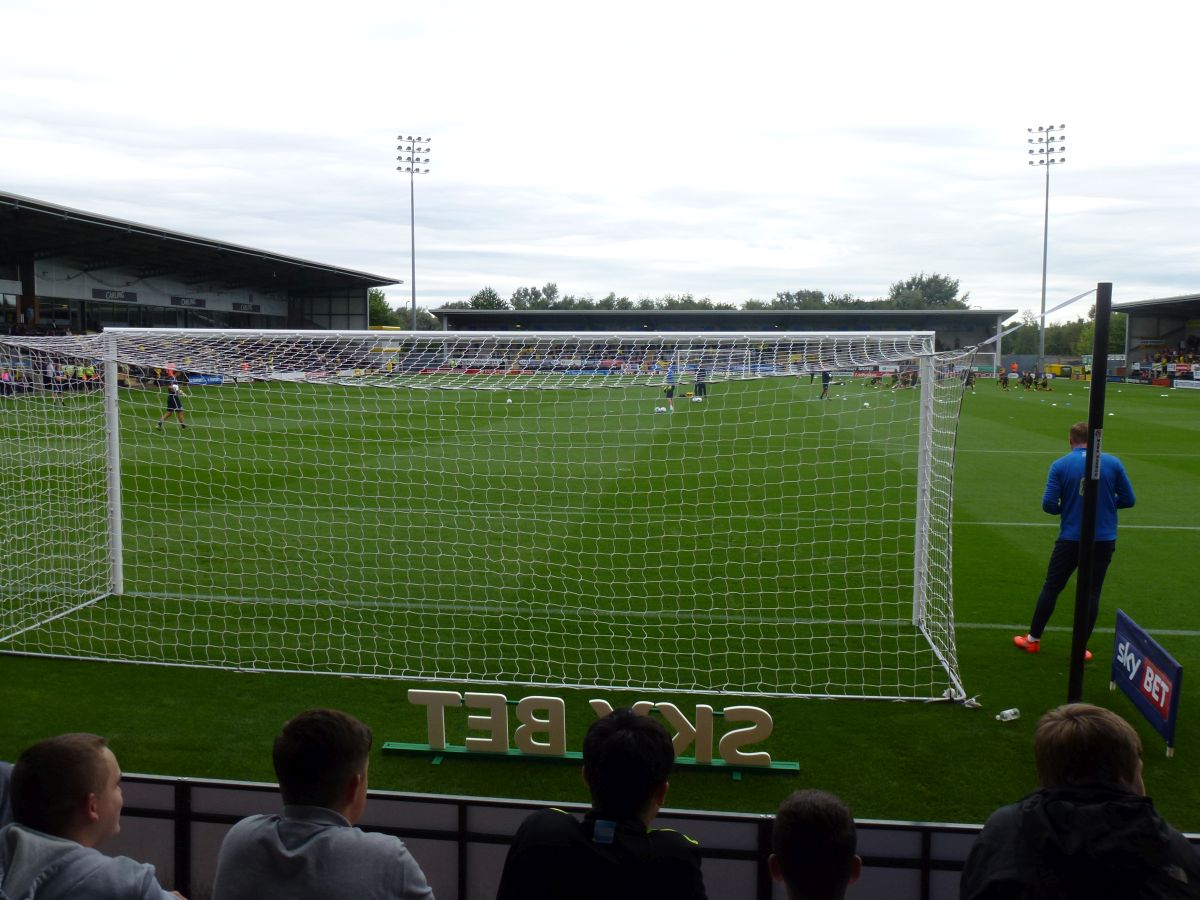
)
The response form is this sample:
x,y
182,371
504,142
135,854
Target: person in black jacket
x,y
613,854
1090,831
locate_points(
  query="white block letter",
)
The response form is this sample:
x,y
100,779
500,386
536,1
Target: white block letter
x,y
495,723
435,720
554,726
759,731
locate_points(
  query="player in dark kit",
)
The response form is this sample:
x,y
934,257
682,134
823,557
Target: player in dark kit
x,y
175,397
826,377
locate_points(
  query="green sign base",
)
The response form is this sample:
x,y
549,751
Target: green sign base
x,y
573,756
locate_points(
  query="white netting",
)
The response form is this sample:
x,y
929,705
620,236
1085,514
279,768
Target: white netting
x,y
505,508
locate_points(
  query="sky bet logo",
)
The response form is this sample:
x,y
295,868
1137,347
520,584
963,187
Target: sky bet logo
x,y
1153,685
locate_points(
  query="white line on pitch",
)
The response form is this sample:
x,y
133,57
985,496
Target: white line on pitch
x,y
960,523
1066,629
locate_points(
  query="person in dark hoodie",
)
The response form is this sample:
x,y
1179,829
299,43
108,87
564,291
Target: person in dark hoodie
x,y
613,852
66,798
1090,831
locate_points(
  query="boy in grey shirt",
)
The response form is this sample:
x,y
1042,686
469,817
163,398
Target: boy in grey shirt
x,y
66,798
313,850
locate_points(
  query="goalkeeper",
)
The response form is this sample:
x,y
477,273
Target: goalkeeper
x,y
175,397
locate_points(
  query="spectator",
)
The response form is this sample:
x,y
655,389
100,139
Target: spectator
x,y
613,852
66,798
1089,831
313,850
5,798
812,847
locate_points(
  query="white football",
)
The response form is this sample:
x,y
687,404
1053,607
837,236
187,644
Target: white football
x,y
509,400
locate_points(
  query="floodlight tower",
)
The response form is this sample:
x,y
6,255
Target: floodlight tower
x,y
414,153
1049,149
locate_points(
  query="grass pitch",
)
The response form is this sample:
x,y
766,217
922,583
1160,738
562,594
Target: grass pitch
x,y
906,761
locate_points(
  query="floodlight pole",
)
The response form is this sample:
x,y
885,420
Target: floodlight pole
x,y
1050,142
411,161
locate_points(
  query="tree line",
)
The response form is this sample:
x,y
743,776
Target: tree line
x,y
919,291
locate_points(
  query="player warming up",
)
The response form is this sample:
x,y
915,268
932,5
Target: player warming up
x,y
1064,498
175,397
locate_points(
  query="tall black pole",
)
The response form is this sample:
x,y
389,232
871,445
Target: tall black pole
x,y
1091,491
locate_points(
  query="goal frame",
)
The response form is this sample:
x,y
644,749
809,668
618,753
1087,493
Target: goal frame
x,y
110,343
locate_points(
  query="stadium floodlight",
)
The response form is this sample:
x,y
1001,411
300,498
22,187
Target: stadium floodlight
x,y
1048,148
495,508
414,154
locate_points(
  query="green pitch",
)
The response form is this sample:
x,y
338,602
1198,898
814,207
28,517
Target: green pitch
x,y
907,761
569,537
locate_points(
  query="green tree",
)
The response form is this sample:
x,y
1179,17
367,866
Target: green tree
x,y
379,311
1025,339
798,300
487,298
923,291
1086,338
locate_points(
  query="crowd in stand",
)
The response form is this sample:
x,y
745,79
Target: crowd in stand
x,y
1089,831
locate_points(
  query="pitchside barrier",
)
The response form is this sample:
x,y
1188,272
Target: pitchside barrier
x,y
461,842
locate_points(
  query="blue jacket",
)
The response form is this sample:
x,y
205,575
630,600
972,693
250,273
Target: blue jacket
x,y
1064,494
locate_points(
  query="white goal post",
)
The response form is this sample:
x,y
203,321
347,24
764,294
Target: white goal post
x,y
509,508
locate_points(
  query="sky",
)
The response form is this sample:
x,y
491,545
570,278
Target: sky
x,y
730,151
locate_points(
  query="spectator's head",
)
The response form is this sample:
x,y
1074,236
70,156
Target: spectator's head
x,y
1079,434
626,761
69,786
813,844
1080,744
321,760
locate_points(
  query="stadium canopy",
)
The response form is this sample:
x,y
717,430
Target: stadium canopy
x,y
1170,323
954,327
79,269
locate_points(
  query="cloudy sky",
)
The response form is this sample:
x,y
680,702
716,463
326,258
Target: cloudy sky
x,y
729,150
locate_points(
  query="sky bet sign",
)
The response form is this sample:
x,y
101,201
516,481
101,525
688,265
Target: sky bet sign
x,y
1149,676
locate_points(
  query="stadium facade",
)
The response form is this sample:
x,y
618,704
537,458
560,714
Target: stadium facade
x,y
64,269
955,328
1169,323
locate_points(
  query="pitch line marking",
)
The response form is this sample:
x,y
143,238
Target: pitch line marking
x,y
1067,629
1054,524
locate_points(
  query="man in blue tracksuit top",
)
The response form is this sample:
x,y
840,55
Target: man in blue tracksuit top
x,y
1064,497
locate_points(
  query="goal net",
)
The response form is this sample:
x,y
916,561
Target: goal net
x,y
759,514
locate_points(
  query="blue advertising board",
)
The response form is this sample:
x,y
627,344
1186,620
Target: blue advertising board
x,y
1148,675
